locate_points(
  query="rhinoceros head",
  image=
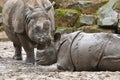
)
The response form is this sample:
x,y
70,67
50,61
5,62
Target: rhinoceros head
x,y
38,24
48,55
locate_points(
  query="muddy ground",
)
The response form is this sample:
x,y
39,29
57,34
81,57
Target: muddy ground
x,y
16,70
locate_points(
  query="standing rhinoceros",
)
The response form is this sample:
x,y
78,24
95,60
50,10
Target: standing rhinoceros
x,y
28,23
79,51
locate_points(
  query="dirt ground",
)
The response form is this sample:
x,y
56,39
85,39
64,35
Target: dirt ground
x,y
16,70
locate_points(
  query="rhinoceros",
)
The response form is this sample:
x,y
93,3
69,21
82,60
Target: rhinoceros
x,y
28,24
79,51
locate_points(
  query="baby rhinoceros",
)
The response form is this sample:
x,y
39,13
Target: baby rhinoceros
x,y
28,24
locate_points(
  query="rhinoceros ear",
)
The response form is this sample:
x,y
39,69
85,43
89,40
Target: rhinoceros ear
x,y
57,37
49,7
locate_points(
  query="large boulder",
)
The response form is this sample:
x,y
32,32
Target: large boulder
x,y
107,16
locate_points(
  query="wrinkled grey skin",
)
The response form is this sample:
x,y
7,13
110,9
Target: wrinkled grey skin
x,y
28,24
79,51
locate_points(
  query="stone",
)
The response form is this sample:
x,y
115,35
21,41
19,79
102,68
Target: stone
x,y
1,19
66,17
107,16
64,30
87,20
95,29
116,6
80,5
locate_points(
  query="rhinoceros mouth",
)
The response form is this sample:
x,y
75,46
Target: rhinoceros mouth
x,y
41,47
46,56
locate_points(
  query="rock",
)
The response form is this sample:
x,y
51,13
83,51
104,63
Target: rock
x,y
87,7
87,20
63,3
94,29
94,8
64,30
0,18
116,6
80,5
0,21
66,17
107,16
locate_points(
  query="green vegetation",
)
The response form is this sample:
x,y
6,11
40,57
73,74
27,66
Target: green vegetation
x,y
1,28
66,17
63,29
0,9
61,12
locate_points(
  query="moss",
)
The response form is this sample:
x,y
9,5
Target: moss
x,y
1,28
95,28
64,29
61,12
94,8
66,17
0,9
60,27
105,0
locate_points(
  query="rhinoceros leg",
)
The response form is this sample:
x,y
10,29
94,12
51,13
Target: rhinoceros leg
x,y
16,43
28,47
18,55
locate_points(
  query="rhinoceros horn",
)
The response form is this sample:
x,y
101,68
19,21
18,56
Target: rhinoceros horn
x,y
50,6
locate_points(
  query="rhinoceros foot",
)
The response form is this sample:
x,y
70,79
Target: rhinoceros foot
x,y
29,61
17,57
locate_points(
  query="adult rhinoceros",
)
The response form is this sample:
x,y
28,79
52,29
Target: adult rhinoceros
x,y
80,51
27,23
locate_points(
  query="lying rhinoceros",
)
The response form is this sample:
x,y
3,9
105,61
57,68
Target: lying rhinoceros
x,y
80,51
28,23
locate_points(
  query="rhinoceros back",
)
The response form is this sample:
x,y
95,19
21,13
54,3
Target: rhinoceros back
x,y
87,50
13,15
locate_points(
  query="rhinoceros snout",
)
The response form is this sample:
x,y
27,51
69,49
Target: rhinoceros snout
x,y
41,40
46,56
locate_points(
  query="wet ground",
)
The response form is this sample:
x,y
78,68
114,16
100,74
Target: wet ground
x,y
17,70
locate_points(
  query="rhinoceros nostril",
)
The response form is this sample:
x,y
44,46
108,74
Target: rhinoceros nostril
x,y
39,40
42,39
